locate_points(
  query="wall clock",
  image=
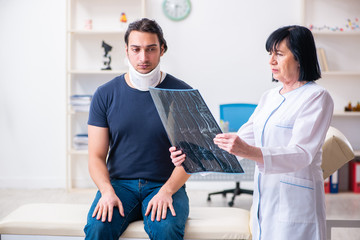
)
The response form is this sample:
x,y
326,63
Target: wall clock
x,y
176,9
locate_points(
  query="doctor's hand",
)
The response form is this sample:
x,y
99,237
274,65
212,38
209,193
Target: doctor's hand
x,y
175,156
105,206
159,204
231,143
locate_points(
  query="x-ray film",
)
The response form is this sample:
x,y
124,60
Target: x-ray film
x,y
191,127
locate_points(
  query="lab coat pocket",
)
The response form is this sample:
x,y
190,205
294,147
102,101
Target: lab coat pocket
x,y
284,129
297,198
285,124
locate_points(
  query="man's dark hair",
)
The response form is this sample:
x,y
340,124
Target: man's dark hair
x,y
146,25
301,43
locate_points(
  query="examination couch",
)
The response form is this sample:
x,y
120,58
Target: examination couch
x,y
66,221
44,220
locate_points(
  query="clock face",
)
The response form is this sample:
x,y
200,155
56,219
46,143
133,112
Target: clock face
x,y
176,9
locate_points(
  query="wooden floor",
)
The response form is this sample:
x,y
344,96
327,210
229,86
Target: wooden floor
x,y
339,206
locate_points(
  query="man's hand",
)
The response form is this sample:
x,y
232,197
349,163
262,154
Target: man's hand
x,y
105,206
159,204
176,156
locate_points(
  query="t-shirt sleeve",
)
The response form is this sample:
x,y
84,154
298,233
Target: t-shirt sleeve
x,y
98,110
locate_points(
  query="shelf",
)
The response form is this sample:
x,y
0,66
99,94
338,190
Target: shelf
x,y
97,72
78,152
96,32
341,73
337,33
73,112
357,152
346,114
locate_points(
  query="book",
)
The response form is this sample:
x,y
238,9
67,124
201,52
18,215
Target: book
x,y
327,185
334,182
322,60
80,141
80,103
355,176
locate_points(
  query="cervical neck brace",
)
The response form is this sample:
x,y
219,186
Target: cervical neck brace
x,y
141,81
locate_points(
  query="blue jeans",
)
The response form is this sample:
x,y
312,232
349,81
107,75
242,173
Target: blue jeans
x,y
135,196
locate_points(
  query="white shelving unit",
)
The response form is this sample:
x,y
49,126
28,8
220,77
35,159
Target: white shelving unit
x,y
335,26
346,114
84,63
341,47
341,73
342,50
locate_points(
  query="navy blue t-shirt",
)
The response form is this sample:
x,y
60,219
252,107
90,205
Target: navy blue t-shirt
x,y
139,146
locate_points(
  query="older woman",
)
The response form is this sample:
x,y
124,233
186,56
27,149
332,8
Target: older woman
x,y
284,136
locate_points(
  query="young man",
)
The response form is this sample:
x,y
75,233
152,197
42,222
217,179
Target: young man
x,y
137,180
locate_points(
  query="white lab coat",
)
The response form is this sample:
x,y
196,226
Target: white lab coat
x,y
289,200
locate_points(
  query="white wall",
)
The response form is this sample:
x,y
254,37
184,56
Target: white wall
x,y
32,93
218,49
